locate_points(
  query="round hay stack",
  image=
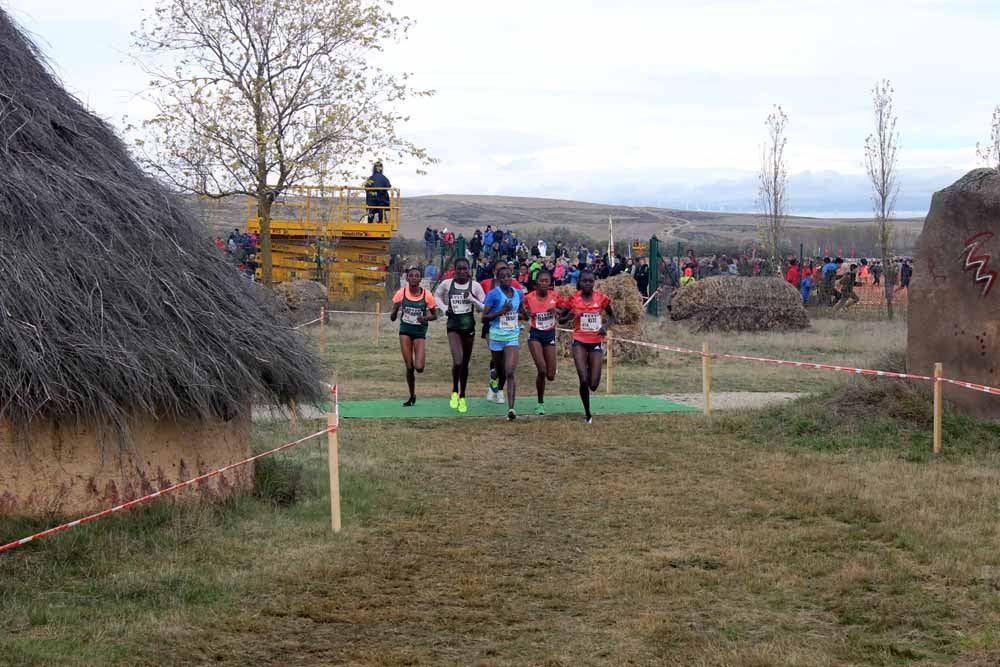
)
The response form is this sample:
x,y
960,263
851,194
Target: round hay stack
x,y
731,303
626,301
303,299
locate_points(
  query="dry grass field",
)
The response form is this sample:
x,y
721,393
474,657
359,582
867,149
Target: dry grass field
x,y
367,371
820,533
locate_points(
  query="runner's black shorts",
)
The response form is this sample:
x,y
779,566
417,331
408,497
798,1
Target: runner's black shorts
x,y
463,332
589,347
543,337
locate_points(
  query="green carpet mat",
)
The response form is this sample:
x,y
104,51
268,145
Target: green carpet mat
x,y
436,407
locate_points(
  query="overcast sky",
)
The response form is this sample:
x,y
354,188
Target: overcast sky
x,y
635,101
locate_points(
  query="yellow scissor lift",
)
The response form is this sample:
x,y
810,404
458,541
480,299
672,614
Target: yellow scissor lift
x,y
323,234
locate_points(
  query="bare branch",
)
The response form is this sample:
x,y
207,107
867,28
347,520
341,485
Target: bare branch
x,y
772,189
989,153
261,95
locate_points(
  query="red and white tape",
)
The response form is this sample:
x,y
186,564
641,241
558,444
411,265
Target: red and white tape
x,y
358,312
305,324
176,487
806,364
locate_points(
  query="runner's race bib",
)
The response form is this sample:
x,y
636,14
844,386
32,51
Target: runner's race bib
x,y
508,321
590,322
411,314
545,321
460,304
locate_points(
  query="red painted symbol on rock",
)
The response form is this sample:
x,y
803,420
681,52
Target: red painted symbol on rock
x,y
973,245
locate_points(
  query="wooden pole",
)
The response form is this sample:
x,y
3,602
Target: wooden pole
x,y
938,406
706,377
611,364
333,454
378,318
322,332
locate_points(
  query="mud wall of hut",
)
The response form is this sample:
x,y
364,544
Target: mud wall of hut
x,y
64,470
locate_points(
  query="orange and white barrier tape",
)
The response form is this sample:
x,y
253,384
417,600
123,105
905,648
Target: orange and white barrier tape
x,y
806,364
176,487
305,324
369,313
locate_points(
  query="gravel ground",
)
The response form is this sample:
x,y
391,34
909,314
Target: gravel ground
x,y
736,400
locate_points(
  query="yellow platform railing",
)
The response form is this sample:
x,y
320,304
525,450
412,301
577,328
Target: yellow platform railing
x,y
327,210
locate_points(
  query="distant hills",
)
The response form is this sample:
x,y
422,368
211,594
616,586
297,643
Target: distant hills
x,y
466,213
826,193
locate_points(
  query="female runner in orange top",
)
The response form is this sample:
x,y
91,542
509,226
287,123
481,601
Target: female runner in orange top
x,y
587,309
540,308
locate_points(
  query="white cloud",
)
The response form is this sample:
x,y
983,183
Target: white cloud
x,y
568,95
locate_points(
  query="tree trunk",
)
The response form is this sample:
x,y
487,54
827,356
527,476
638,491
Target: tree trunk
x,y
889,279
264,213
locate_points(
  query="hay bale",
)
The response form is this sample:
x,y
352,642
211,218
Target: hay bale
x,y
626,301
625,297
731,303
302,298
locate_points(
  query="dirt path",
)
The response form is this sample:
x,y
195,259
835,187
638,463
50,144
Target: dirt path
x,y
659,543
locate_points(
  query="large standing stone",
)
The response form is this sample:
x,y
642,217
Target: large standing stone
x,y
954,295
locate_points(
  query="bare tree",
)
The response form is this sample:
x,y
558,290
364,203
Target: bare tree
x,y
255,96
881,149
989,153
772,188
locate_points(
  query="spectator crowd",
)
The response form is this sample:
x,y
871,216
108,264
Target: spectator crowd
x,y
242,248
822,281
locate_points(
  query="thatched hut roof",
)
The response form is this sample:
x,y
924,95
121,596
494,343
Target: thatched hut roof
x,y
113,300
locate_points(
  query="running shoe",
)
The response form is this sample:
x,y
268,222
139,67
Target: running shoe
x,y
411,402
453,403
500,398
511,415
589,420
463,407
540,409
491,395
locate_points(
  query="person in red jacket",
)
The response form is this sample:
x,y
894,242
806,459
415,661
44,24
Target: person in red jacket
x,y
794,276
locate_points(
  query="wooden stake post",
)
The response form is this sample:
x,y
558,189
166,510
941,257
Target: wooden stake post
x,y
333,454
706,377
611,364
938,406
378,318
322,332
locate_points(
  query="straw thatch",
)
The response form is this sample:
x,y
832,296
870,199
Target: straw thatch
x,y
730,303
113,301
626,301
302,299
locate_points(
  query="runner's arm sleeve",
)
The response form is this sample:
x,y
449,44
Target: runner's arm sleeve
x,y
398,296
441,294
478,295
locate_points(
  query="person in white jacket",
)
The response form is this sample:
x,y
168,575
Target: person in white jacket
x,y
457,297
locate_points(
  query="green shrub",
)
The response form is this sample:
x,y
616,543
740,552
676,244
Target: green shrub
x,y
279,480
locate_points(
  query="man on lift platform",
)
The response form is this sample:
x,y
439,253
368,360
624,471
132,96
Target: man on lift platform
x,y
377,193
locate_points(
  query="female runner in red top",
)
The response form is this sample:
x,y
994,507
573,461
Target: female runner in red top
x,y
588,309
540,308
